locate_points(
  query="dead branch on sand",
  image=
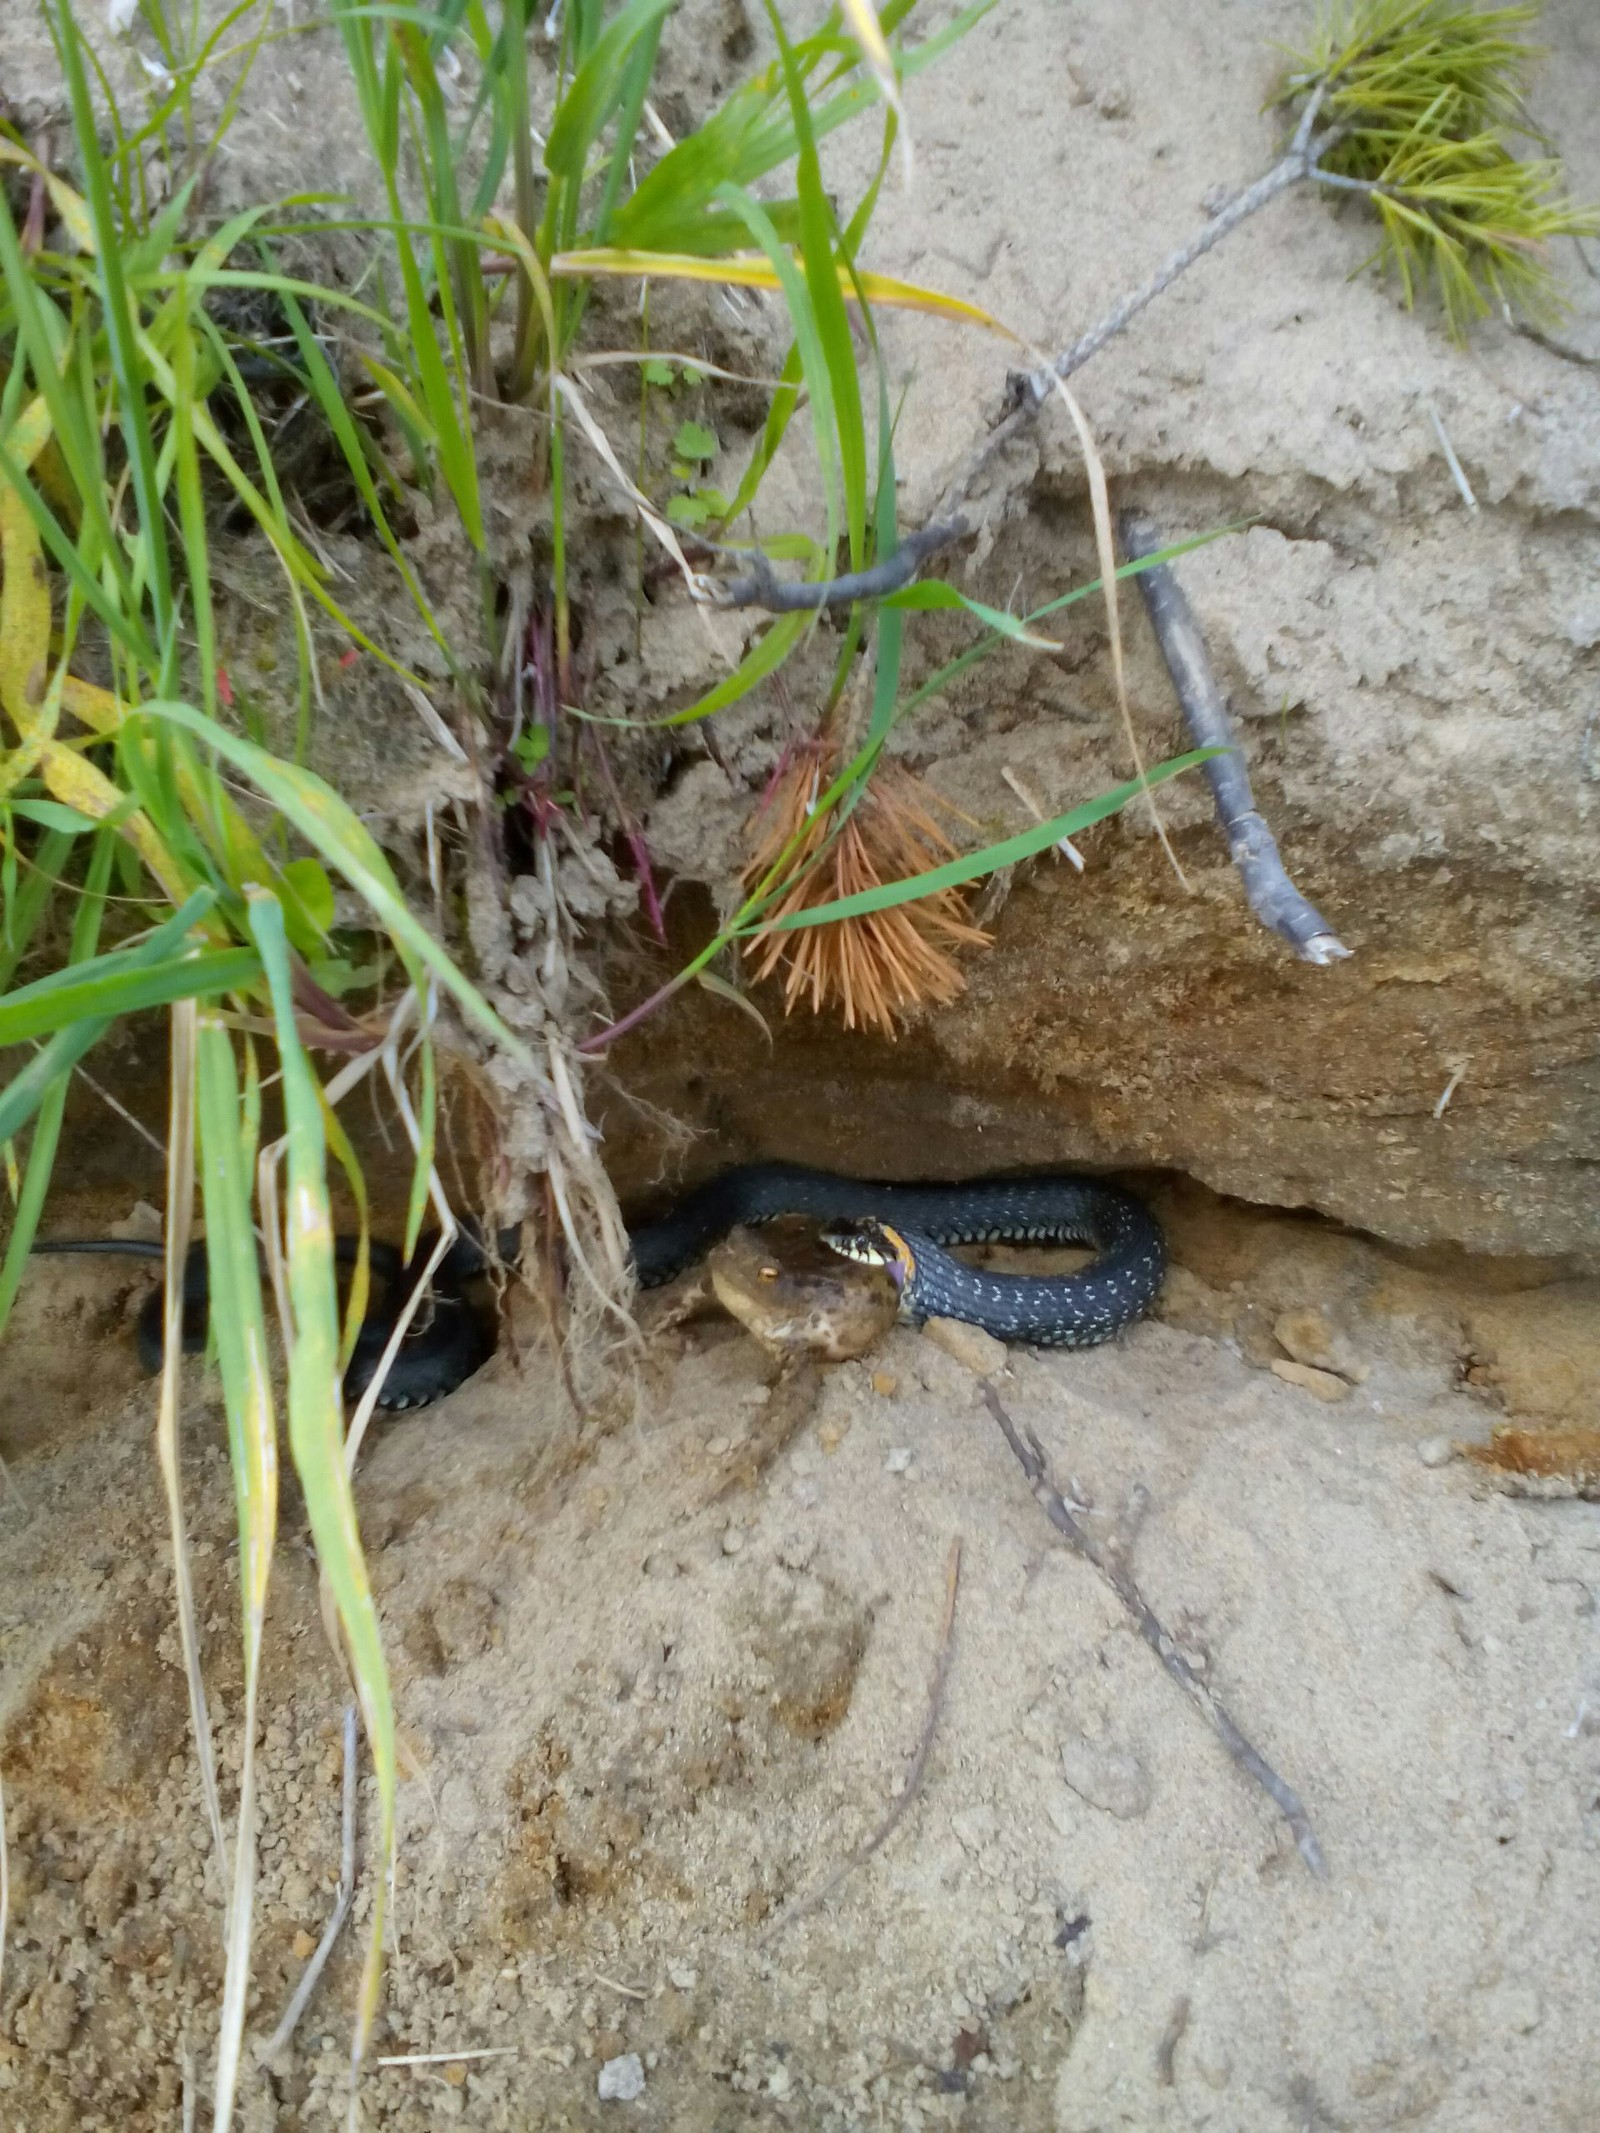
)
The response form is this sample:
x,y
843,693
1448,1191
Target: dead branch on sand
x,y
1031,1458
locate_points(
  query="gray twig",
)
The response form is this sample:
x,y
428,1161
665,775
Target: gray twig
x,y
1300,163
1031,1458
1272,895
343,1899
901,1807
1171,2038
762,588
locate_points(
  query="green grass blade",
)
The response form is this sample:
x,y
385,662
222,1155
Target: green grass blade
x,y
1025,845
316,1432
597,88
56,1082
779,415
818,240
32,1083
814,364
935,596
120,323
40,333
331,826
25,906
238,1324
129,992
943,676
764,657
156,944
630,106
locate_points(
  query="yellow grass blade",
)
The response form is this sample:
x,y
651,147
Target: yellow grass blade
x,y
68,204
753,270
78,783
316,1423
96,708
241,1334
24,586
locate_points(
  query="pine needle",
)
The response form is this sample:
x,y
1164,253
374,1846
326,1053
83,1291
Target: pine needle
x,y
1426,95
880,964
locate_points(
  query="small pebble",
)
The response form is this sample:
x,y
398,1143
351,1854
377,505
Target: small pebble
x,y
732,1541
683,1976
622,2080
899,1460
885,1384
718,1447
304,1946
807,1494
1436,1451
1321,1384
779,2080
980,1352
1306,1336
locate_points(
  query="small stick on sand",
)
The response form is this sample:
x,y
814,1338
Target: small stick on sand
x,y
1271,894
343,1899
1031,1458
1172,2037
901,1807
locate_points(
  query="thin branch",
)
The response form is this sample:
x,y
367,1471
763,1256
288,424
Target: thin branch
x,y
1108,1561
901,1807
1272,895
1292,169
762,587
343,1899
1028,391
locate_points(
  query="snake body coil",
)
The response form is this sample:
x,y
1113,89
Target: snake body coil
x,y
902,1226
907,1227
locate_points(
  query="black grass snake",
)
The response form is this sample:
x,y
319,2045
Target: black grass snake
x,y
904,1227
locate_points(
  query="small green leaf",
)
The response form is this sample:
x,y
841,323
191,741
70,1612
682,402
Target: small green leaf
x,y
933,594
735,998
337,975
690,510
658,373
531,746
694,441
309,884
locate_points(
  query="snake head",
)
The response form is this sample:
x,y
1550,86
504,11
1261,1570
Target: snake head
x,y
873,1244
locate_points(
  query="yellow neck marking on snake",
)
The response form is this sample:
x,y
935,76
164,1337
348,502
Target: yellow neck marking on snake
x,y
905,1258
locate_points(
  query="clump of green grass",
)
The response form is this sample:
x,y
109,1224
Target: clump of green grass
x,y
1426,102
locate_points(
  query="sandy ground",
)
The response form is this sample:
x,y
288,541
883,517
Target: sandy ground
x,y
654,1689
655,1685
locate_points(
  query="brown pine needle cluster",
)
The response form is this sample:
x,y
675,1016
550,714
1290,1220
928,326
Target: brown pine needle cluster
x,y
879,963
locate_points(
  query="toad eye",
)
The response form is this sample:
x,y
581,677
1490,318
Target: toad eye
x,y
767,1273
